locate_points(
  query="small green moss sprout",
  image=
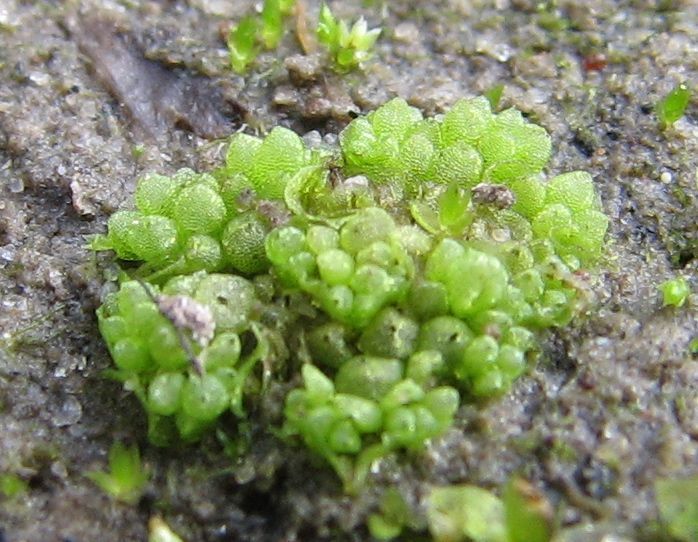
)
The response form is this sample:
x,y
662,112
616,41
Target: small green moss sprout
x,y
529,516
253,32
494,94
242,44
465,512
673,106
12,485
126,478
675,292
393,517
460,513
348,48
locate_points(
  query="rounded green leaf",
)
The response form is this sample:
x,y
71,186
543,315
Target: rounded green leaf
x,y
368,377
164,393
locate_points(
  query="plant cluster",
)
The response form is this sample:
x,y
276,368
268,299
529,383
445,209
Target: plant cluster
x,y
126,479
348,48
245,39
388,279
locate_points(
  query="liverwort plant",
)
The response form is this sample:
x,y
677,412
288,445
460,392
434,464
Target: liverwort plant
x,y
672,107
384,281
253,32
348,48
273,13
242,44
126,478
675,291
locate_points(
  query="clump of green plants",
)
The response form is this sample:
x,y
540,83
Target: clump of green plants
x,y
673,106
464,512
179,348
675,292
348,48
126,478
386,280
253,32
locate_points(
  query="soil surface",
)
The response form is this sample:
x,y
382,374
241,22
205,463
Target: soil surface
x,y
94,94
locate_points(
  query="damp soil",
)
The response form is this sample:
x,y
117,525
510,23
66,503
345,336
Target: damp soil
x,y
94,94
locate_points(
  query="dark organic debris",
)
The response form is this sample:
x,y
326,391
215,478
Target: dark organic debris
x,y
497,195
156,98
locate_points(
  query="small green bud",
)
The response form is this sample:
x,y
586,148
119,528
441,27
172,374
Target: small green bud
x,y
319,388
130,354
283,243
243,244
204,397
447,335
164,393
335,266
675,292
479,357
390,334
365,414
165,348
344,439
366,227
230,299
423,366
224,351
322,238
329,344
199,209
368,377
403,393
442,402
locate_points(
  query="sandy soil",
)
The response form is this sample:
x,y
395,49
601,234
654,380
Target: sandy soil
x,y
94,94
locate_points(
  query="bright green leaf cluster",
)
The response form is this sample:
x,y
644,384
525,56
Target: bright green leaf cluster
x,y
244,39
369,410
264,165
351,272
406,271
471,145
180,348
348,48
196,222
126,478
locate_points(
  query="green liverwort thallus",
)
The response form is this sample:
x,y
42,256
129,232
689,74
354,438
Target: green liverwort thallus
x,y
409,269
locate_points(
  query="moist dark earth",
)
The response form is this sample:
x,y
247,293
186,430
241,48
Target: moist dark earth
x,y
95,94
